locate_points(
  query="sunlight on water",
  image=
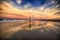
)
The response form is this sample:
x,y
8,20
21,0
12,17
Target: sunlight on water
x,y
8,28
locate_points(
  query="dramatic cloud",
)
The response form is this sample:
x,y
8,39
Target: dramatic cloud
x,y
26,9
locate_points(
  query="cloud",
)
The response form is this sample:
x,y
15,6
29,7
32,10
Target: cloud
x,y
18,1
41,12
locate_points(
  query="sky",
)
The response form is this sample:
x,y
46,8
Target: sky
x,y
30,8
33,3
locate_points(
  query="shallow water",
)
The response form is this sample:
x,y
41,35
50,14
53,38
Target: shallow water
x,y
44,30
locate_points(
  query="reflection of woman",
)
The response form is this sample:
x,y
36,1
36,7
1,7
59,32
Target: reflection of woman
x,y
29,22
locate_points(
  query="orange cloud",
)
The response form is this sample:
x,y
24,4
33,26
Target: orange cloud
x,y
9,11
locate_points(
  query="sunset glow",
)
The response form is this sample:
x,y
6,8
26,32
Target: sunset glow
x,y
45,13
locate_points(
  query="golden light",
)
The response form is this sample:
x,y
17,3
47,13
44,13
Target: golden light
x,y
9,11
45,13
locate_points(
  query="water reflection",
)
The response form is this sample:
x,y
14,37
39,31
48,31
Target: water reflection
x,y
8,28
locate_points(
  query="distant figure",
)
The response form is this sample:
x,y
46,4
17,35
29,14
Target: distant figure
x,y
29,22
